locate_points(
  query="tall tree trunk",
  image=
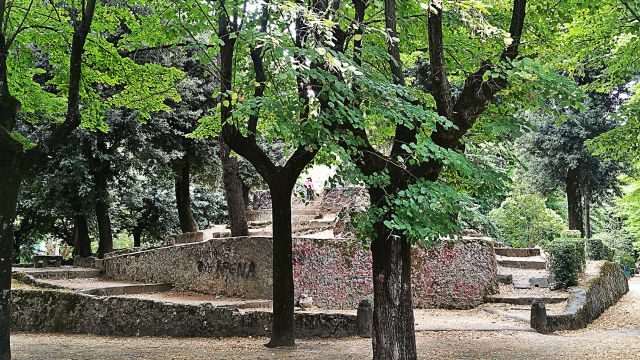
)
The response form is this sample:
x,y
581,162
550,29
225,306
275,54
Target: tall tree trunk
x,y
233,191
283,327
574,200
137,237
586,207
105,245
393,320
11,170
100,171
183,195
81,239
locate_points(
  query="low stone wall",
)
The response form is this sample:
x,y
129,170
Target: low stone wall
x,y
335,273
68,312
601,289
234,267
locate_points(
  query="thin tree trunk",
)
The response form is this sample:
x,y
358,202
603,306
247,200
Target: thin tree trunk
x,y
283,328
233,191
245,196
11,170
183,196
393,320
574,200
81,239
586,207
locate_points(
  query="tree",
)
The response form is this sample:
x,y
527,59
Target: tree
x,y
280,178
523,220
421,145
14,159
557,155
58,97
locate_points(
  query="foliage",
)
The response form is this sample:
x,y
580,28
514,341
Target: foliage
x,y
621,244
596,249
557,146
566,260
523,220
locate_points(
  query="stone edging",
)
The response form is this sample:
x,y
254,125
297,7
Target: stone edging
x,y
30,280
69,312
586,301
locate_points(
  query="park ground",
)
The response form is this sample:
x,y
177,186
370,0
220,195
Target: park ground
x,y
615,335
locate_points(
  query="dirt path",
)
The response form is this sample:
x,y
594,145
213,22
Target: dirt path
x,y
616,334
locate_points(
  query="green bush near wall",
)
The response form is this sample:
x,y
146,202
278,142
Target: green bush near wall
x,y
596,249
566,260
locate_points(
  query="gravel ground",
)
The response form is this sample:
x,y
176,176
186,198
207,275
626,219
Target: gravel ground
x,y
616,334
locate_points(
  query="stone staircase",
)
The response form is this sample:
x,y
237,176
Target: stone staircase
x,y
523,277
305,218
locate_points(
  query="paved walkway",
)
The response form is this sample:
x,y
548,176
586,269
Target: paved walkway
x,y
616,334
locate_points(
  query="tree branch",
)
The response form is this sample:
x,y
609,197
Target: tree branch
x,y
477,94
72,120
441,90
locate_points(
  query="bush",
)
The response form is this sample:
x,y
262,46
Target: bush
x,y
523,220
618,246
566,260
594,249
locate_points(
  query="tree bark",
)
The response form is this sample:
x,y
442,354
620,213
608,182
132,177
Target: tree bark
x,y
233,191
586,207
183,195
101,176
11,170
246,190
105,244
100,170
283,328
81,239
393,320
574,200
137,237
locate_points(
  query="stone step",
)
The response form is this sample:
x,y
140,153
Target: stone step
x,y
513,252
297,215
523,264
128,289
64,272
524,300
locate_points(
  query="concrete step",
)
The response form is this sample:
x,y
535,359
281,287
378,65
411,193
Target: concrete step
x,y
128,289
523,264
513,252
524,300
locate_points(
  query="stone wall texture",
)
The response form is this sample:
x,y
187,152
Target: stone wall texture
x,y
335,273
349,198
589,299
68,312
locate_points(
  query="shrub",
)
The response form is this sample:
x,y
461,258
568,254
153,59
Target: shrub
x,y
618,245
566,260
594,249
523,220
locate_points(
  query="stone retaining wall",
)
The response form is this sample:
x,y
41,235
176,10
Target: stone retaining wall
x,y
588,300
335,273
68,312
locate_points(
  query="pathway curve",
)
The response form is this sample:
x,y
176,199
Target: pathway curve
x,y
616,334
